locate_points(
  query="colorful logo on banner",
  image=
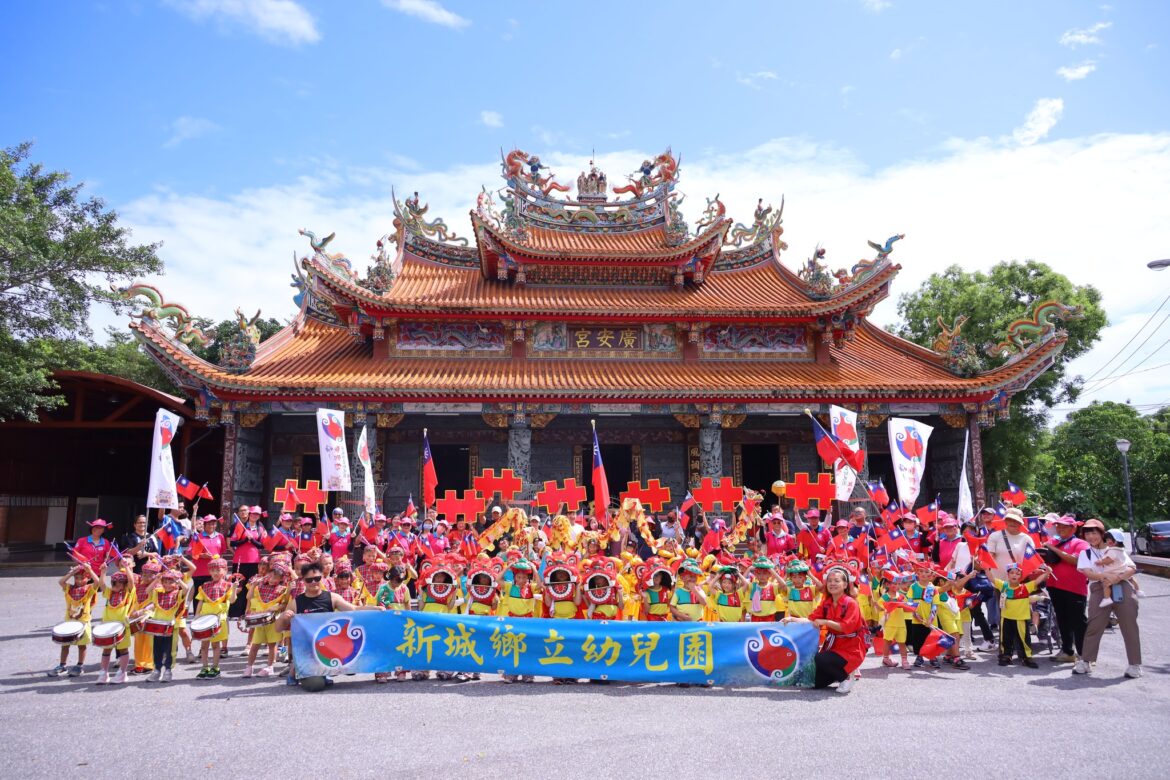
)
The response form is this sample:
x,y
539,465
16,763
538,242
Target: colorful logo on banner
x,y
630,651
338,643
772,654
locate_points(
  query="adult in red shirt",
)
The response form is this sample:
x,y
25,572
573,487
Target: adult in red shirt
x,y
93,549
1067,587
206,543
844,647
779,541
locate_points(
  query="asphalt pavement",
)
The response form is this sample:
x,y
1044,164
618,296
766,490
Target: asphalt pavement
x,y
989,722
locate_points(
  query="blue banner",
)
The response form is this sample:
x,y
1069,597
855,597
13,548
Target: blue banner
x,y
630,651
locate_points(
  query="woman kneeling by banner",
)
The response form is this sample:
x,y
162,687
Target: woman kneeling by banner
x,y
846,639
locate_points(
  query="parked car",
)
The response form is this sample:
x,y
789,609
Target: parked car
x,y
1154,539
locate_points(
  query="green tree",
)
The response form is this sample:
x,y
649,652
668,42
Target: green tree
x,y
59,252
121,356
1081,469
992,301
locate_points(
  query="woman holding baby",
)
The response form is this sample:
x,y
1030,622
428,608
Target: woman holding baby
x,y
1109,571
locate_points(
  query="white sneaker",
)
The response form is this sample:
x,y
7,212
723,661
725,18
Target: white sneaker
x,y
154,676
166,675
267,671
1081,666
103,677
845,686
248,671
120,678
1133,671
986,647
1138,594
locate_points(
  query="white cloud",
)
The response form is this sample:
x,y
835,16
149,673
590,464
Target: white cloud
x,y
1076,72
185,128
973,204
1040,120
876,6
1084,37
753,79
278,21
491,119
429,11
896,54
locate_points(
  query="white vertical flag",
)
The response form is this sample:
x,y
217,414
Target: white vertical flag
x,y
161,492
844,424
367,475
334,453
966,508
908,440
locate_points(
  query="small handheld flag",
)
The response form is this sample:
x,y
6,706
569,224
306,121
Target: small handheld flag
x,y
1013,495
205,493
878,493
186,488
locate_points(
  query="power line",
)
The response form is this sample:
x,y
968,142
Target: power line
x,y
1135,351
1131,338
1099,388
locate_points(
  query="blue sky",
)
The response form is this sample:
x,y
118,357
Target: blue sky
x,y
986,131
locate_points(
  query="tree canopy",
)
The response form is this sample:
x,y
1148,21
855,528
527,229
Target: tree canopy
x,y
59,254
1080,470
991,301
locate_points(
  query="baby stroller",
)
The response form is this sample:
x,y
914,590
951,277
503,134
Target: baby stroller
x,y
1044,621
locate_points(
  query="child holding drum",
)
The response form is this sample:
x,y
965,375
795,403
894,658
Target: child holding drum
x,y
80,585
164,606
214,598
113,634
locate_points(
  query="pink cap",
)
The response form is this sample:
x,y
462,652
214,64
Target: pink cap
x,y
254,510
948,522
99,523
813,513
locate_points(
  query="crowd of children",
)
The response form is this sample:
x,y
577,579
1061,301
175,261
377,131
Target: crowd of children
x,y
919,593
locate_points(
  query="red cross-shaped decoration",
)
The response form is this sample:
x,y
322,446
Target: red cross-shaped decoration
x,y
654,495
727,494
507,484
570,494
469,506
290,494
804,492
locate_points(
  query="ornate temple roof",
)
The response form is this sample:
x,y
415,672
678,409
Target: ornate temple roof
x,y
710,313
325,361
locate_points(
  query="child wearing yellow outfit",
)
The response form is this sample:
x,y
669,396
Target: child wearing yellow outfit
x,y
726,594
120,603
80,586
215,598
688,602
270,594
766,595
519,599
1016,614
803,590
166,603
893,620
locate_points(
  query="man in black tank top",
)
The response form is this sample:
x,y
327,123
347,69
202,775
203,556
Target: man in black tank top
x,y
314,599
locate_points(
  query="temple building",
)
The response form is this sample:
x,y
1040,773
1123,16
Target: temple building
x,y
694,347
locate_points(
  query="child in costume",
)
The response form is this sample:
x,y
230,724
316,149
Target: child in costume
x,y
167,601
438,592
370,573
657,583
602,594
520,599
949,613
215,598
630,588
561,595
185,567
1016,614
894,618
81,587
688,602
143,644
393,595
725,594
803,589
119,595
923,593
765,593
268,595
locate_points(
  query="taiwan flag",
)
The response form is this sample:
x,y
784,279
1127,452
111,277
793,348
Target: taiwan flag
x,y
878,493
831,449
936,644
410,509
205,493
1030,561
975,539
430,479
186,488
985,559
684,508
895,540
928,515
600,484
1013,495
168,533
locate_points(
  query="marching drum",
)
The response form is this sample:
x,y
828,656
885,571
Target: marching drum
x,y
257,619
204,627
159,627
68,632
108,634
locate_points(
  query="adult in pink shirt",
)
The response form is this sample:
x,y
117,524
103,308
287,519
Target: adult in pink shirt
x,y
777,539
94,549
205,545
247,540
1067,587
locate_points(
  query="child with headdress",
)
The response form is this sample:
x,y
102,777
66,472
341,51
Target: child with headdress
x,y
688,602
215,597
119,595
726,589
168,599
766,600
80,586
803,589
270,594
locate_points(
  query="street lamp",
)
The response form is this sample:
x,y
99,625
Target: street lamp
x,y
1158,265
1123,448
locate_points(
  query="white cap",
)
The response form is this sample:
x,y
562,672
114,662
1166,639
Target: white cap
x,y
496,510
